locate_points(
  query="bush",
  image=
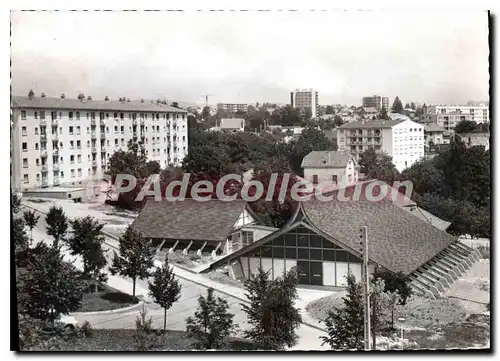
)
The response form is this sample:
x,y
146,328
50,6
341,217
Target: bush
x,y
86,329
119,297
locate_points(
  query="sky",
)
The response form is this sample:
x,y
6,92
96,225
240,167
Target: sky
x,y
438,57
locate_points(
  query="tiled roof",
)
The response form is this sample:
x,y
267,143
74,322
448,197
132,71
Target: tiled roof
x,y
76,104
428,217
232,123
378,123
326,159
370,109
398,240
189,219
433,127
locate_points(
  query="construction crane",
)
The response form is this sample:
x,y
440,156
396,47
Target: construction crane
x,y
206,98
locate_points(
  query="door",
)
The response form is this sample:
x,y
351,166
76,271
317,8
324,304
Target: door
x,y
316,272
303,270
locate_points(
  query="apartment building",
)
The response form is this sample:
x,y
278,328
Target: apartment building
x,y
375,101
232,107
401,139
435,135
448,116
62,141
305,98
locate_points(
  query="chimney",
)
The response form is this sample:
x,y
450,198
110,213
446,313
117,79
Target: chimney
x,y
81,97
43,95
63,96
31,94
106,98
89,98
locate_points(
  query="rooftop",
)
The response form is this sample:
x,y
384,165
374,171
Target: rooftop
x,y
433,127
377,123
190,219
84,104
326,159
370,110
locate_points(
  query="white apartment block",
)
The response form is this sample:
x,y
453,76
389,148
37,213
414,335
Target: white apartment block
x,y
305,98
232,107
61,141
403,140
448,116
376,101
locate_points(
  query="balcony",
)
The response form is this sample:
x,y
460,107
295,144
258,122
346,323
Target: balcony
x,y
43,153
55,122
94,149
43,136
55,152
93,122
56,181
45,168
43,122
93,135
103,136
102,122
55,167
45,182
55,136
134,121
94,163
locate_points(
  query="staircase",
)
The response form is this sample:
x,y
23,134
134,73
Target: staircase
x,y
435,276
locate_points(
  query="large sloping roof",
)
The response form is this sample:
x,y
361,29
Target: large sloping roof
x,y
398,240
428,217
326,159
189,219
76,104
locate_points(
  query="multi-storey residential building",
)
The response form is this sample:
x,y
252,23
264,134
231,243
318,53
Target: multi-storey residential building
x,y
232,107
375,101
305,98
58,141
401,139
448,116
434,135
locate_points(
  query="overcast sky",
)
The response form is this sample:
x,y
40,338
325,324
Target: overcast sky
x,y
436,57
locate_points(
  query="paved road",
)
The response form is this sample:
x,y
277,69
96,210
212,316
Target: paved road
x,y
176,316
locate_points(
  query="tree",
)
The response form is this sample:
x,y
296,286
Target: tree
x,y
383,113
407,106
466,126
21,241
397,106
86,240
329,110
205,113
31,219
133,161
135,258
345,326
337,120
164,289
57,224
153,167
143,328
50,286
175,104
377,166
413,106
15,203
271,314
211,324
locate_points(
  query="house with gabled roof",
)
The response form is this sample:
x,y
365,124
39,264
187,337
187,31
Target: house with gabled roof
x,y
322,241
339,167
208,227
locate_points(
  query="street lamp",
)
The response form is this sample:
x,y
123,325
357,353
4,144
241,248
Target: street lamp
x,y
402,320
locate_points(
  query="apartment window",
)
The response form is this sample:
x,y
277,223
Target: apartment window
x,y
92,115
123,141
122,129
38,177
116,141
183,138
60,115
72,173
70,115
115,115
36,115
79,172
78,130
88,143
61,160
36,146
88,157
88,130
107,142
78,144
26,179
61,145
121,115
23,114
77,114
101,115
334,178
71,144
25,162
70,130
79,158
72,159
42,114
134,115
88,115
315,179
37,161
25,147
24,132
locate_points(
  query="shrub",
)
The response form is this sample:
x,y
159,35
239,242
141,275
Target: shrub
x,y
86,329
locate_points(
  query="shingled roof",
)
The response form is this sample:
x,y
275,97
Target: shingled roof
x,y
25,102
398,240
189,219
326,159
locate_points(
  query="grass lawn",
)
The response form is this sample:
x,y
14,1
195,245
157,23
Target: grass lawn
x,y
105,299
123,340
